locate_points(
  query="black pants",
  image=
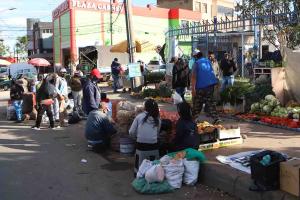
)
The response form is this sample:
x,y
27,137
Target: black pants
x,y
41,110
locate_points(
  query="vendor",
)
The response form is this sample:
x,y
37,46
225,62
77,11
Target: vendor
x,y
186,129
145,128
99,129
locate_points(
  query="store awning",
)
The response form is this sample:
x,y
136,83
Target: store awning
x,y
140,47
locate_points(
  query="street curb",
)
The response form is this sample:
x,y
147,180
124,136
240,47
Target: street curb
x,y
236,183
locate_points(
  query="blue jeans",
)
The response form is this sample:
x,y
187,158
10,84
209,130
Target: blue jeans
x,y
115,82
227,81
18,107
181,91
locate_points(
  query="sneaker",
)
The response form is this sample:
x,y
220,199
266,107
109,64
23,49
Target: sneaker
x,y
36,128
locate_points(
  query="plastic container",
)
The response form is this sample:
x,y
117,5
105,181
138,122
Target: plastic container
x,y
127,145
266,177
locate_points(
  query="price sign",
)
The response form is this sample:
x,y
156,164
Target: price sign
x,y
134,70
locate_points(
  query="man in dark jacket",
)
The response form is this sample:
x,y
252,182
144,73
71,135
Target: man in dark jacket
x,y
115,72
91,93
228,68
16,95
99,128
181,77
76,89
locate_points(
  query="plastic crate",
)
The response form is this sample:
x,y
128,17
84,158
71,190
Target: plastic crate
x,y
266,177
208,137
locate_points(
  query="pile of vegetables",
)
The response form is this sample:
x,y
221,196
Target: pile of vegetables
x,y
163,92
155,77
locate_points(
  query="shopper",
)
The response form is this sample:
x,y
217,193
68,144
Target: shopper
x,y
16,96
91,92
186,129
216,68
115,71
203,83
76,88
145,128
99,129
181,77
45,98
193,58
62,96
228,67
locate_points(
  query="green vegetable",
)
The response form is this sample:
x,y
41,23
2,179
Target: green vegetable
x,y
270,97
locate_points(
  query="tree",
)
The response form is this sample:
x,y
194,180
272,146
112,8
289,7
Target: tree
x,y
21,45
4,50
283,31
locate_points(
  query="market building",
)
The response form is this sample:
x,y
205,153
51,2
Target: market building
x,y
80,25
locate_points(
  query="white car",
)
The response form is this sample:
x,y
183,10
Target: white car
x,y
154,65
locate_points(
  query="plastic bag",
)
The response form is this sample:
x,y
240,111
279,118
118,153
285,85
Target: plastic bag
x,y
174,173
188,96
177,98
144,167
191,171
165,160
155,174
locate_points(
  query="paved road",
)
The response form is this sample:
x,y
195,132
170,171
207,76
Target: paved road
x,y
47,165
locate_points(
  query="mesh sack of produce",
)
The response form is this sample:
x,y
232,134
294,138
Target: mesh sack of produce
x,y
125,117
125,105
142,186
139,109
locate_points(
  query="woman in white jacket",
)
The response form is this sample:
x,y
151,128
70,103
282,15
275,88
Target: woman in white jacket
x,y
145,128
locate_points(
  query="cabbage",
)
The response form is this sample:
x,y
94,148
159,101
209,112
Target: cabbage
x,y
270,97
267,109
296,116
254,106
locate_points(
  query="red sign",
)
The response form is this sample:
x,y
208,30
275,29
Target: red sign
x,y
60,9
95,5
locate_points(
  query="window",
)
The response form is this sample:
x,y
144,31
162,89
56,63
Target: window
x,y
204,8
198,6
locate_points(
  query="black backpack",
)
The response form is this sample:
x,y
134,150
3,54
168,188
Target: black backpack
x,y
75,118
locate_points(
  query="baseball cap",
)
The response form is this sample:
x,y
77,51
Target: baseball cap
x,y
63,70
195,52
96,73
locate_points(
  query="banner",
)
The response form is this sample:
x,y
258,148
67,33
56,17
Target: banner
x,y
134,70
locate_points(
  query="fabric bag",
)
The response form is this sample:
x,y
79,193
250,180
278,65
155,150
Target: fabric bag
x,y
140,185
144,167
155,174
177,98
191,171
174,173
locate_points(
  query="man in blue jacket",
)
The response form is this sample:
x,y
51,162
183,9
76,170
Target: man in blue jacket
x,y
91,92
203,83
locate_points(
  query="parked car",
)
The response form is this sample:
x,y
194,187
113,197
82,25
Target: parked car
x,y
5,85
154,65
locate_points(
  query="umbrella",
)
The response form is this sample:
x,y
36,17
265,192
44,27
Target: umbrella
x,y
4,62
39,62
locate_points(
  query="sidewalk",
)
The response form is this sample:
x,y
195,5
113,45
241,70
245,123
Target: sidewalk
x,y
236,182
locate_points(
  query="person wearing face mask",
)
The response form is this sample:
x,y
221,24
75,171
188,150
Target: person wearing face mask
x,y
91,92
62,96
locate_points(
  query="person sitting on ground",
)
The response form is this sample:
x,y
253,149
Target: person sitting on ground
x,y
186,129
145,128
45,98
99,128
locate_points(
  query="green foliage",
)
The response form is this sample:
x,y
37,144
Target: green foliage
x,y
21,45
149,92
234,94
155,77
165,91
4,50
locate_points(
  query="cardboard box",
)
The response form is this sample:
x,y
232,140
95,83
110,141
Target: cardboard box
x,y
290,177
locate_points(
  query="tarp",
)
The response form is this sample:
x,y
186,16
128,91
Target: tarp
x,y
140,46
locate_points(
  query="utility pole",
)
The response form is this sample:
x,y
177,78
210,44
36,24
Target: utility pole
x,y
128,19
111,25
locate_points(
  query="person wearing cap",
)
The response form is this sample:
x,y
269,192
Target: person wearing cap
x,y
203,85
76,88
91,92
62,97
115,72
193,58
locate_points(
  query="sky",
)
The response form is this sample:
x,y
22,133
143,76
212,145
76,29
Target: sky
x,y
13,22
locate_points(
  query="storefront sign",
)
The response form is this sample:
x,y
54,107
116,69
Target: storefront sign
x,y
60,9
134,70
95,5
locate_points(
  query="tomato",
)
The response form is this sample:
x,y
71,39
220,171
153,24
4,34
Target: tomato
x,y
293,124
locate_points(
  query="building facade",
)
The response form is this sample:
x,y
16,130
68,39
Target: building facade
x,y
30,22
78,24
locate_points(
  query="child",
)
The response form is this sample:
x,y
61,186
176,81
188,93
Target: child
x,y
186,129
145,128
